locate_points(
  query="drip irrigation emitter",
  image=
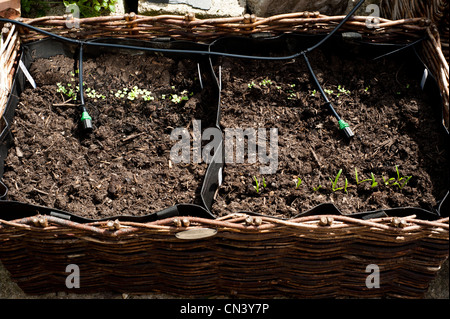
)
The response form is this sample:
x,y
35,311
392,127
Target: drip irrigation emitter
x,y
343,126
86,120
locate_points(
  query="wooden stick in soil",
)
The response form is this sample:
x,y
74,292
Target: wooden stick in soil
x,y
65,104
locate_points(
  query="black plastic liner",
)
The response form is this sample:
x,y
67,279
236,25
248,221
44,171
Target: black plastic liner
x,y
254,46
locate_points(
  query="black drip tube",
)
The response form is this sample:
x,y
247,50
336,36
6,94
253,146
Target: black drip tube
x,y
342,124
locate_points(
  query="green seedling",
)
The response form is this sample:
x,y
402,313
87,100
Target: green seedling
x,y
91,93
133,94
69,91
299,182
313,93
328,91
335,182
367,89
174,98
357,180
342,90
387,181
374,182
259,186
317,188
256,184
251,85
399,179
265,82
291,96
178,99
371,179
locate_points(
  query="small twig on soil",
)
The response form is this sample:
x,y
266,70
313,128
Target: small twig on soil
x,y
132,136
216,193
65,104
40,192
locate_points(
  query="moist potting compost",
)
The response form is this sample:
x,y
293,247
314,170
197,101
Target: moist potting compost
x,y
123,167
136,100
309,163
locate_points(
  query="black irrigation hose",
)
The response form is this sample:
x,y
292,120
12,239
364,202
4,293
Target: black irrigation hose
x,y
87,120
329,35
231,55
342,124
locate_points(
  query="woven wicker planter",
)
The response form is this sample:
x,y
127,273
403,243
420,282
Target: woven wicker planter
x,y
313,256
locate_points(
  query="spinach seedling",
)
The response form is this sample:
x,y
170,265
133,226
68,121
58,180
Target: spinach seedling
x,y
357,180
299,182
387,181
257,184
374,182
371,179
336,179
399,179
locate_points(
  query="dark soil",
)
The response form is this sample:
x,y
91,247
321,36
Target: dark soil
x,y
123,167
392,120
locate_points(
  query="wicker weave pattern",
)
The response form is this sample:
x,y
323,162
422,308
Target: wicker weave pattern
x,y
436,50
316,256
8,53
190,28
